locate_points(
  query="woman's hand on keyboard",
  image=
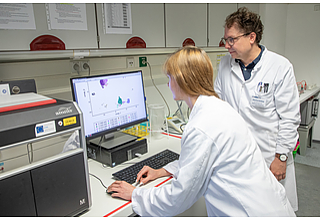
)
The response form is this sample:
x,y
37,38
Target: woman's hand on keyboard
x,y
148,174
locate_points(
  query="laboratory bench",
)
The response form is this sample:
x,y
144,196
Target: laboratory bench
x,y
103,205
308,93
305,129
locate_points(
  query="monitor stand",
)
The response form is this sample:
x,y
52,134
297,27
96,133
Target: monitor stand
x,y
112,140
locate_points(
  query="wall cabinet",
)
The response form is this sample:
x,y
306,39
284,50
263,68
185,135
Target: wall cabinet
x,y
147,23
160,25
216,19
186,21
17,40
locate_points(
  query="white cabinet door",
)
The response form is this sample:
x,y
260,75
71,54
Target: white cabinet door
x,y
17,40
147,23
186,21
217,16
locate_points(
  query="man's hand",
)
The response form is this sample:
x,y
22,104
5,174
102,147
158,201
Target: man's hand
x,y
278,168
121,189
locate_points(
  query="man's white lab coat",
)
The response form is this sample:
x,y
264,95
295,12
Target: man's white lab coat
x,y
221,161
269,103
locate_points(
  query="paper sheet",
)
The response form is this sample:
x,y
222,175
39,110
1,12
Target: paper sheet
x,y
117,18
66,16
17,16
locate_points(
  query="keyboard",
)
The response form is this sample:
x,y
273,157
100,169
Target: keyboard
x,y
156,161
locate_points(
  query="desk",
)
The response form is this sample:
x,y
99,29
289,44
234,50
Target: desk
x,y
305,131
308,93
104,205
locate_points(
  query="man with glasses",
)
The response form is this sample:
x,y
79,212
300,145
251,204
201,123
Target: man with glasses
x,y
261,86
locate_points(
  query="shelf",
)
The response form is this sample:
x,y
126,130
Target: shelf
x,y
19,56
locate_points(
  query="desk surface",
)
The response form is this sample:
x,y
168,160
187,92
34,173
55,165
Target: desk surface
x,y
308,93
102,203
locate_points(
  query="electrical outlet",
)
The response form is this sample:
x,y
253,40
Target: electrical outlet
x,y
130,62
75,66
85,65
142,61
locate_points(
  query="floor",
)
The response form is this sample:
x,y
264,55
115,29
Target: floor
x,y
308,182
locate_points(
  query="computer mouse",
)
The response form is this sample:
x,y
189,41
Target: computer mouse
x,y
110,193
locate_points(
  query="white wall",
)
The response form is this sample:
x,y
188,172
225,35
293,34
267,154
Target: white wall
x,y
302,46
274,17
302,42
293,31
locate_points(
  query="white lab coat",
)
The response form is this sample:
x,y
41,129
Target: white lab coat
x,y
221,161
271,112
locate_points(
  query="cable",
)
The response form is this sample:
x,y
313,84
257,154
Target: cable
x,y
305,84
86,66
99,180
138,155
302,87
182,127
182,116
158,90
177,109
99,144
171,131
77,68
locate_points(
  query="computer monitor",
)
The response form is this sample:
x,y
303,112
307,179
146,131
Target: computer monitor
x,y
109,103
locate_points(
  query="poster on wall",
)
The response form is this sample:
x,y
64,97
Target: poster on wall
x,y
117,18
66,16
17,16
219,57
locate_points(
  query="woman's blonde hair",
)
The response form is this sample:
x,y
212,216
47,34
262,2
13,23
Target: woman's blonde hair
x,y
192,69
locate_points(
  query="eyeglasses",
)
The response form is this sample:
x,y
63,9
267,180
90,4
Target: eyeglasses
x,y
232,40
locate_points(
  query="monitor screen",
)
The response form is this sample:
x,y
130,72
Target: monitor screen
x,y
110,102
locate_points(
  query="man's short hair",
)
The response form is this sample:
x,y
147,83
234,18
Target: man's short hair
x,y
247,21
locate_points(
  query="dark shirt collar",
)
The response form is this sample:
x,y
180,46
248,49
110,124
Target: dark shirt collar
x,y
254,62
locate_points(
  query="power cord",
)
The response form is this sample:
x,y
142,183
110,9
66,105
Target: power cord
x,y
86,66
181,114
171,131
179,107
182,126
158,89
77,68
99,180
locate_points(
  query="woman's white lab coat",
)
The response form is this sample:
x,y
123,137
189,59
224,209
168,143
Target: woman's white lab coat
x,y
221,161
269,103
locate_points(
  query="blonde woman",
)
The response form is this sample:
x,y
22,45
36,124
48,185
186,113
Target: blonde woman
x,y
219,157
